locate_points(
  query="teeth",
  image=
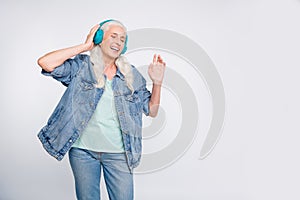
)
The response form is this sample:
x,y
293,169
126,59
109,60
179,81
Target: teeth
x,y
114,48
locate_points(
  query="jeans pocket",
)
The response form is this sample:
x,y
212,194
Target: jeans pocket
x,y
82,154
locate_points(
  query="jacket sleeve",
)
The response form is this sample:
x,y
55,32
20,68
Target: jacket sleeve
x,y
142,91
146,96
65,72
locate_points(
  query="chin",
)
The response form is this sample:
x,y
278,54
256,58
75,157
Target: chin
x,y
111,54
114,55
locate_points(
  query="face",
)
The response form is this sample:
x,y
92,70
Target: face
x,y
113,41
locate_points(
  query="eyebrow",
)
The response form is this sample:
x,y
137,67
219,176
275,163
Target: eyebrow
x,y
118,34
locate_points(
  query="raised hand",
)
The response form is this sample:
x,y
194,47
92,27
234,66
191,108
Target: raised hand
x,y
55,58
89,44
156,70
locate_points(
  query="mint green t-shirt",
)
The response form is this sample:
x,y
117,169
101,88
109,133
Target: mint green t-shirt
x,y
103,133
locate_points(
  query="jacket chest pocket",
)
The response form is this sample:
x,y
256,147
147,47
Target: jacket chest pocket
x,y
86,85
134,103
84,93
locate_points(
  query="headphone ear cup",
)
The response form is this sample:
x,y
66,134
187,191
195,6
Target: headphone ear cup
x,y
125,45
98,37
124,49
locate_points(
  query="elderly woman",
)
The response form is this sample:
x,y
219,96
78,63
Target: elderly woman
x,y
99,118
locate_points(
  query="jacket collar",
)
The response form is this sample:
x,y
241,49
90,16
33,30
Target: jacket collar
x,y
119,74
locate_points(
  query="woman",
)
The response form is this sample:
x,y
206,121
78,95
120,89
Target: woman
x,y
99,118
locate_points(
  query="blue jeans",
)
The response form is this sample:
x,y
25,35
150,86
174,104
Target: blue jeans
x,y
86,166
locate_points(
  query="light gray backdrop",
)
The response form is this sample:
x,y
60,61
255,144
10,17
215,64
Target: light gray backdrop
x,y
254,45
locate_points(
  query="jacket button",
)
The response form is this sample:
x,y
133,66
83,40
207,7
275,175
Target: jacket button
x,y
70,140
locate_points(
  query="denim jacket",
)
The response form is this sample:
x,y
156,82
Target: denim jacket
x,y
79,102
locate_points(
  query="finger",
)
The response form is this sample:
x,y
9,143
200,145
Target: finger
x,y
154,58
160,59
95,28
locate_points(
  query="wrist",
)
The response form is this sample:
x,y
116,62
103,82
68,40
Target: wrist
x,y
157,84
84,47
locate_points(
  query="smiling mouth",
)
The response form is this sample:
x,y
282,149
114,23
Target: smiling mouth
x,y
114,48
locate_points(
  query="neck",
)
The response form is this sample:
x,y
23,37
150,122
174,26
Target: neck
x,y
109,66
108,61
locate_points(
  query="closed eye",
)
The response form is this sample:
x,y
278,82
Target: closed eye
x,y
114,35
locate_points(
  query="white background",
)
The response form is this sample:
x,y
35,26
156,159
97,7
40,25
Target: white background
x,y
254,45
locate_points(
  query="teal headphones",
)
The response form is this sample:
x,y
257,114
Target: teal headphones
x,y
100,33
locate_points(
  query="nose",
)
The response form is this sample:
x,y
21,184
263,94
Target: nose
x,y
118,41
